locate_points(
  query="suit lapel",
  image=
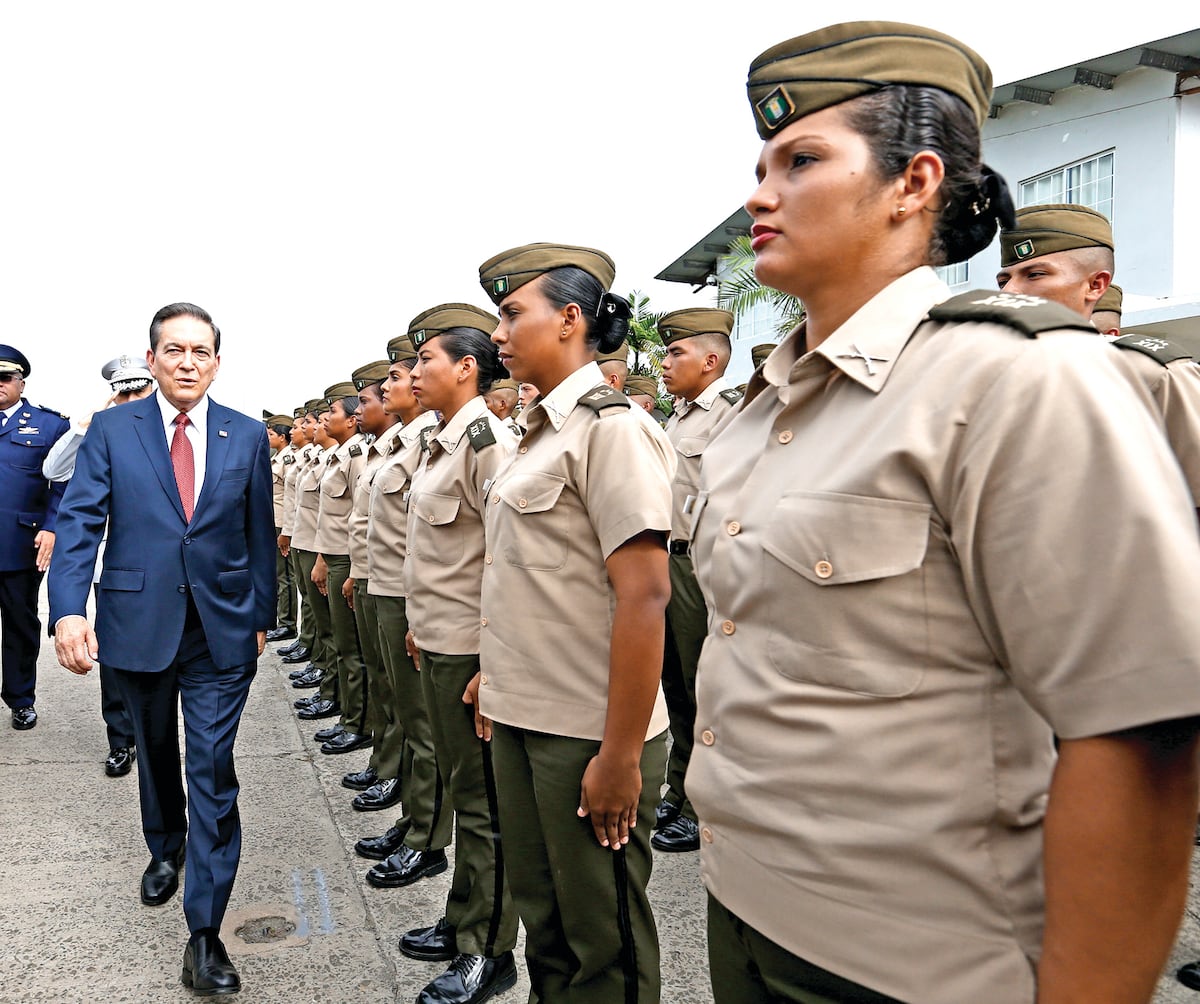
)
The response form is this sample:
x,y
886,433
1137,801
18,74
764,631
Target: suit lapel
x,y
16,417
148,424
218,450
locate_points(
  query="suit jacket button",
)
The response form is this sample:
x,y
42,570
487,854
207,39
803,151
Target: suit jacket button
x,y
183,589
187,540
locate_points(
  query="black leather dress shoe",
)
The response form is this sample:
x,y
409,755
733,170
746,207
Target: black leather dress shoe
x,y
160,880
332,732
308,680
665,813
295,674
405,867
382,847
298,655
281,634
24,718
381,795
288,649
207,970
430,944
119,761
306,702
1189,975
681,835
471,979
360,780
319,709
347,742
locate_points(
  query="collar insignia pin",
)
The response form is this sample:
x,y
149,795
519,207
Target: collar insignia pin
x,y
866,357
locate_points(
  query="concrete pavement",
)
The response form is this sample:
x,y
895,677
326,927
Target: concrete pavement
x,y
311,929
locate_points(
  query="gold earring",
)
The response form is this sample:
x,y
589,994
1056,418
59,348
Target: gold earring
x,y
901,210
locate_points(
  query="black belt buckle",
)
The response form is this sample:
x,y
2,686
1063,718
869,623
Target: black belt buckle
x,y
677,547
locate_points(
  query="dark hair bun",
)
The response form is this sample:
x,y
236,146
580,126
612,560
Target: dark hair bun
x,y
973,224
612,322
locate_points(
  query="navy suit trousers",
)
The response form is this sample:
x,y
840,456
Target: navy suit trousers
x,y
212,701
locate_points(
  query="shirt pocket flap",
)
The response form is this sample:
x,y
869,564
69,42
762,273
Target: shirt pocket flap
x,y
393,480
33,520
126,580
237,581
833,539
436,510
535,492
691,446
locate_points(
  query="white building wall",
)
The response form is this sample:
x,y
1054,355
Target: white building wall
x,y
1187,198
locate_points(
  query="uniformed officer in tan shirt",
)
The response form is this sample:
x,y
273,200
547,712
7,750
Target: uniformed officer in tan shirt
x,y
930,540
443,566
299,441
303,543
387,755
1065,253
414,847
1106,318
693,371
574,593
279,428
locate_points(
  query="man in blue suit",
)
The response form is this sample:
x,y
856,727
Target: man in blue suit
x,y
28,510
186,595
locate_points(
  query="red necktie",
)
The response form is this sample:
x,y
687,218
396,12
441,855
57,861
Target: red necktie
x,y
185,466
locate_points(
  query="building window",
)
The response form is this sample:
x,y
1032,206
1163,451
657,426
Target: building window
x,y
1084,183
953,275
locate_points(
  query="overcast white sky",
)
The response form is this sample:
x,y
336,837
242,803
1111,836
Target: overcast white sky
x,y
317,174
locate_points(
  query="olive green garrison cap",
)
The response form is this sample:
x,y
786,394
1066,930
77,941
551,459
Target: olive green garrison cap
x,y
432,322
1043,230
511,269
823,68
371,373
694,321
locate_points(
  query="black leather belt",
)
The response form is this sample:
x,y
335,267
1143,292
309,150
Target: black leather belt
x,y
677,547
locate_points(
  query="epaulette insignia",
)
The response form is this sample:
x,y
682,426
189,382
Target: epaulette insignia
x,y
1155,346
1031,315
425,438
480,433
356,450
289,459
599,398
732,395
51,411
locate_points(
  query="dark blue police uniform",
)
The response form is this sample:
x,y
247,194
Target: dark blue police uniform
x,y
28,505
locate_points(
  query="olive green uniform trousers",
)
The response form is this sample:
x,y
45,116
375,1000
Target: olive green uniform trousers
x,y
285,591
352,682
748,968
388,754
428,818
322,652
687,624
479,906
304,623
590,932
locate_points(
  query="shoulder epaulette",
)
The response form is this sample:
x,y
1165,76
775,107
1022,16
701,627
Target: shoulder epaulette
x,y
1031,315
480,433
425,437
356,450
1160,349
51,411
733,395
289,459
603,396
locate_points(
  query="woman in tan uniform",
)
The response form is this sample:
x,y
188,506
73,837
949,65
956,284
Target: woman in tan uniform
x,y
575,588
912,586
456,364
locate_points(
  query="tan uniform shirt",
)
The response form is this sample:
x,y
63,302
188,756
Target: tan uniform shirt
x,y
290,479
689,430
342,469
1176,391
580,485
387,529
308,500
377,453
443,562
925,546
279,467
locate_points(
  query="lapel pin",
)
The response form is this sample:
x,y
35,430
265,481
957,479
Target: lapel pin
x,y
222,433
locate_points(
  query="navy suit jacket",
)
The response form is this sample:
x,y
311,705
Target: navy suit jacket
x,y
225,556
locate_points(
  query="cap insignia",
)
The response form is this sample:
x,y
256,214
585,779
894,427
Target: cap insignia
x,y
1024,249
775,108
500,286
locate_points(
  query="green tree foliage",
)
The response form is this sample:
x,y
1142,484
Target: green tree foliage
x,y
740,291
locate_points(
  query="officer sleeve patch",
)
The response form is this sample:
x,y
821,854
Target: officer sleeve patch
x,y
1031,315
289,459
1160,349
425,436
480,433
603,396
356,450
732,395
